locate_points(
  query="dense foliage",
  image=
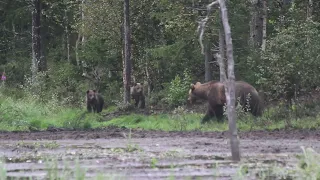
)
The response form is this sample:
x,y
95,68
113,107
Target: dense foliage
x,y
82,43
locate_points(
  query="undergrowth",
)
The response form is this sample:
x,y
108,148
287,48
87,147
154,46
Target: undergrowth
x,y
25,114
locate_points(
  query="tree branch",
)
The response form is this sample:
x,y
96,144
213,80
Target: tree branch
x,y
203,22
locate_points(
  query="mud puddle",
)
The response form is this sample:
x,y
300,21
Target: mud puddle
x,y
146,158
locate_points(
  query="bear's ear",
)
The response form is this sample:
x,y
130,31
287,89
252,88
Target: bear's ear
x,y
192,86
87,91
94,90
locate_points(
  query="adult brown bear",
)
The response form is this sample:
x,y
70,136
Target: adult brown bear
x,y
137,93
95,101
214,93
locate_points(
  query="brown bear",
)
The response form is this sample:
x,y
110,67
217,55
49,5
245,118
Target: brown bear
x,y
214,93
95,101
137,93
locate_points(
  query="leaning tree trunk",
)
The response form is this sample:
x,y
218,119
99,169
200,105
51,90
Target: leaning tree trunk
x,y
127,53
36,39
230,85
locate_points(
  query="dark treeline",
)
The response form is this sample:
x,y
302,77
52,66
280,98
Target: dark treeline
x,y
62,48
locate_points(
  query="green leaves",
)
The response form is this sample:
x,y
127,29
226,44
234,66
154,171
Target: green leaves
x,y
291,61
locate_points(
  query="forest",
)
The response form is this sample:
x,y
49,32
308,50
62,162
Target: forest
x,y
53,51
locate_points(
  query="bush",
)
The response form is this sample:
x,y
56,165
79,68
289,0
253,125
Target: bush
x,y
178,89
291,61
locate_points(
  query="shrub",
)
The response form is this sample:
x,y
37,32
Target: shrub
x,y
178,88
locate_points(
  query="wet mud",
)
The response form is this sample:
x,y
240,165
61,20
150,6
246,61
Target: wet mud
x,y
118,154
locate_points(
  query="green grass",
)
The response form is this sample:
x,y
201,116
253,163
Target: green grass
x,y
28,114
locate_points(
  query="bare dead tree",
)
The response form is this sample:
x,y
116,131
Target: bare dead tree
x,y
230,84
127,54
229,81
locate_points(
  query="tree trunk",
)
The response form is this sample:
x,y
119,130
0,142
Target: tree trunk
x,y
221,50
43,40
36,46
67,34
42,65
310,9
80,34
223,77
82,18
127,53
256,24
77,49
14,38
230,85
207,59
264,25
148,81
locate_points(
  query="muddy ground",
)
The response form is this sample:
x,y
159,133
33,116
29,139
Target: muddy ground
x,y
150,154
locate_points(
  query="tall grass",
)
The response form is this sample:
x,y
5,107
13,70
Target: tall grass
x,y
27,113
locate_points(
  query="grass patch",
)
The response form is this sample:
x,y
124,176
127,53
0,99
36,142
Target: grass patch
x,y
190,122
26,114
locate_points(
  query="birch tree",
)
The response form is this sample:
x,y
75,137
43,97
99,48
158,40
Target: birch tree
x,y
229,81
36,46
264,25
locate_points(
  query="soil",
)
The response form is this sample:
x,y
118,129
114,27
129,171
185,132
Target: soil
x,y
151,154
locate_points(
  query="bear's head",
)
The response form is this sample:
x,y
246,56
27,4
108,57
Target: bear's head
x,y
91,94
136,89
192,96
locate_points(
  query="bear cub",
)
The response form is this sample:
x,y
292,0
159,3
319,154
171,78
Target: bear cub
x,y
95,101
137,94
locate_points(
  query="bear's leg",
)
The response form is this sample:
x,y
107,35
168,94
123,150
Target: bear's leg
x,y
142,102
136,99
100,107
89,108
95,108
208,116
219,112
